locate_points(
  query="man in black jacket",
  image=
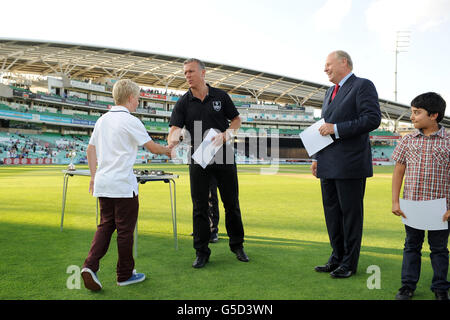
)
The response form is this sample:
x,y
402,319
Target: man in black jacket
x,y
202,108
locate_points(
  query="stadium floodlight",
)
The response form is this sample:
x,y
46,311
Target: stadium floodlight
x,y
401,45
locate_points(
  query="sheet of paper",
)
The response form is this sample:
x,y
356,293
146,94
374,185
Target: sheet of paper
x,y
206,150
312,140
424,215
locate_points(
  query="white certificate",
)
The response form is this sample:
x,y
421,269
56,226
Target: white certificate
x,y
206,150
313,140
424,215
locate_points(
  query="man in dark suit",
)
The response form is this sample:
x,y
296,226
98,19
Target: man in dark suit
x,y
350,110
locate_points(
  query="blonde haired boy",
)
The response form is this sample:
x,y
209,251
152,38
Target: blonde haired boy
x,y
111,154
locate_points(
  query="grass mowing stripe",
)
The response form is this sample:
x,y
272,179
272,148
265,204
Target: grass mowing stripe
x,y
285,238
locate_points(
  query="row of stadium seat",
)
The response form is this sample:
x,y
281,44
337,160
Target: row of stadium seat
x,y
172,97
55,146
382,152
152,126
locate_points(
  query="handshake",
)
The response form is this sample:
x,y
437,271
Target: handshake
x,y
157,148
168,151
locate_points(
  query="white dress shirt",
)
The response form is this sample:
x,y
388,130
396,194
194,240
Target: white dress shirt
x,y
116,137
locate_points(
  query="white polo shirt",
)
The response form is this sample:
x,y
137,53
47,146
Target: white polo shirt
x,y
116,137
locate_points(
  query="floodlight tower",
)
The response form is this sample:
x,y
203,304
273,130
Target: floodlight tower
x,y
401,45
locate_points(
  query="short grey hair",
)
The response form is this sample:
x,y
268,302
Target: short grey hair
x,y
340,54
200,63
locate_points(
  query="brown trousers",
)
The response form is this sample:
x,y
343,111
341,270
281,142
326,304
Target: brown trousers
x,y
120,214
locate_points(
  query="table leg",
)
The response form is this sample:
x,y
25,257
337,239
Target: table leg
x,y
96,211
65,183
135,240
173,205
136,235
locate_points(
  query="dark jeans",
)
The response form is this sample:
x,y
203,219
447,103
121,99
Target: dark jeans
x,y
438,241
227,182
343,206
120,214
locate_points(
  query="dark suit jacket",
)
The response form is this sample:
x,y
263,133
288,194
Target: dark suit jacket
x,y
356,112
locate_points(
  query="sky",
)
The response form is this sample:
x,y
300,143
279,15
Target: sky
x,y
284,37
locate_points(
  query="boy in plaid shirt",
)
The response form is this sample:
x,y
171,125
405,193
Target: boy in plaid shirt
x,y
423,158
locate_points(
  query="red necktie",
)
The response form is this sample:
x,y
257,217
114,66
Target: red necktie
x,y
335,91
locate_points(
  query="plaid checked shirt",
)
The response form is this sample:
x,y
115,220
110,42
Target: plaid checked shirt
x,y
427,160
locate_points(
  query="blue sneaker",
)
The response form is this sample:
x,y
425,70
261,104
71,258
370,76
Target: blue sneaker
x,y
90,279
135,278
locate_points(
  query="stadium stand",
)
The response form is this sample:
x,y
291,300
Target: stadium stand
x,y
58,114
383,145
46,114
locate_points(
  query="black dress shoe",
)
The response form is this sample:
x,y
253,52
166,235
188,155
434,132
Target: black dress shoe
x,y
441,295
240,255
200,261
214,237
341,272
326,268
404,293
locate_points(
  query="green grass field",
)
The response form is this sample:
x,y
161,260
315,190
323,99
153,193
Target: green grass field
x,y
285,238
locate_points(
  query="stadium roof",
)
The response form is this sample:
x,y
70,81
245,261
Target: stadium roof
x,y
79,61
